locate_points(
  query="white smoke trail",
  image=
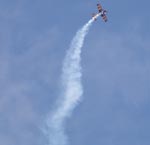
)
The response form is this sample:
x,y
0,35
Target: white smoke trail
x,y
72,89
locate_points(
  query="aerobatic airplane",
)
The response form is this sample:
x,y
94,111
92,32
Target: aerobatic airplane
x,y
101,11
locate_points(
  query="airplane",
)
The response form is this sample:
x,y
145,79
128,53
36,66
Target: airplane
x,y
102,12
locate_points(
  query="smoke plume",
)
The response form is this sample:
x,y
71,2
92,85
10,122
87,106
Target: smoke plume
x,y
71,89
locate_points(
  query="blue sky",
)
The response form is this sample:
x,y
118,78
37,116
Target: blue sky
x,y
34,36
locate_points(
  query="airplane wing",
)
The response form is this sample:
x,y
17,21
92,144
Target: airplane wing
x,y
105,18
103,15
99,7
